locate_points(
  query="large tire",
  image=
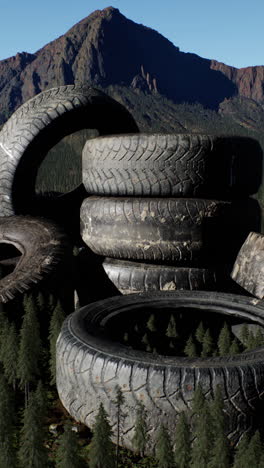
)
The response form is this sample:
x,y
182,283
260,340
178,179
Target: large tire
x,y
165,165
38,125
63,209
43,246
132,277
90,366
155,229
248,269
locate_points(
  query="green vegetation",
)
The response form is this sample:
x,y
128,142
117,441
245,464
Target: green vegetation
x,y
7,425
101,452
32,453
140,436
30,349
164,452
185,334
56,321
200,436
28,406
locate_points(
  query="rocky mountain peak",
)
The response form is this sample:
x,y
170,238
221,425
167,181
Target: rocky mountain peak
x,y
106,48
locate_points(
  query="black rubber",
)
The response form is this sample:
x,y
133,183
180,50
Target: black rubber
x,y
172,165
132,277
38,125
153,229
43,247
89,365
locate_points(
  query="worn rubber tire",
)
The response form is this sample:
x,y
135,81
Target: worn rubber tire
x,y
133,277
43,247
155,229
171,165
248,269
38,125
90,366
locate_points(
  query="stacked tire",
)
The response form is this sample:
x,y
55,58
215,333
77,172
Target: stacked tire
x,y
161,211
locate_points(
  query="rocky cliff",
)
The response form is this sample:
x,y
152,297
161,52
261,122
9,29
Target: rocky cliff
x,y
249,81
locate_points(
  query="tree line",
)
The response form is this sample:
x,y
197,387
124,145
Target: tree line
x,y
171,339
28,334
200,440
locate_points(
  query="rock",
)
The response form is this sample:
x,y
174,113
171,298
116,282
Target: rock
x,y
248,270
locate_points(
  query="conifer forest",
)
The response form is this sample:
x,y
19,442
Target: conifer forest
x,y
36,431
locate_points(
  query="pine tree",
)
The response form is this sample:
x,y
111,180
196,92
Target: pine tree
x,y
254,340
224,340
151,323
190,348
202,444
259,338
182,442
56,321
243,335
198,400
101,453
140,436
261,460
207,344
220,447
29,354
251,341
68,451
241,459
32,452
164,454
199,334
219,457
234,348
120,416
41,400
217,412
171,331
10,355
8,457
7,425
255,449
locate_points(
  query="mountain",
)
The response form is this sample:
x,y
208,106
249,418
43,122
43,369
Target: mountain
x,y
108,49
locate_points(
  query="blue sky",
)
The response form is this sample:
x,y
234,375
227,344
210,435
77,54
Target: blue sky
x,y
230,31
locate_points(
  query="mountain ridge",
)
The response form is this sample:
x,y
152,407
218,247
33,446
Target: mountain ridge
x,y
106,49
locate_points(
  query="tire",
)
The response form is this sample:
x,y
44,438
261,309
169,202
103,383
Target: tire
x,y
248,269
90,366
154,229
167,165
43,247
64,210
132,277
38,125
